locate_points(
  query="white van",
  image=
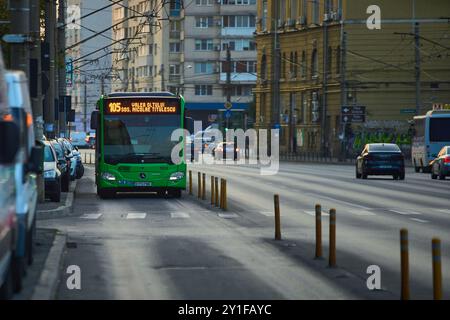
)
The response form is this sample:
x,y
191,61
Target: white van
x,y
26,168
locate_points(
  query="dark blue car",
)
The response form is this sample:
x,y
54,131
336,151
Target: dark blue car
x,y
381,159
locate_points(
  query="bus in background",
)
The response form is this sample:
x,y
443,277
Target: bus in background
x,y
133,144
431,134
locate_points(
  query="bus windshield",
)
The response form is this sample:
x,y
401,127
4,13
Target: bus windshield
x,y
439,129
139,138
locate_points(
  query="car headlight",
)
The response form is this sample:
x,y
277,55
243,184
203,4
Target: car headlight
x,y
50,174
108,176
176,176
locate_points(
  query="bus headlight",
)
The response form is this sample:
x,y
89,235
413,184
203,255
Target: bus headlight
x,y
176,176
108,176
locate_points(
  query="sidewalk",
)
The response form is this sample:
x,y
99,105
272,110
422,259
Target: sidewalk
x,y
49,210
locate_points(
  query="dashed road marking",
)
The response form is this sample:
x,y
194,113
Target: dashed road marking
x,y
362,213
136,215
444,211
419,220
267,213
179,215
227,215
405,213
91,216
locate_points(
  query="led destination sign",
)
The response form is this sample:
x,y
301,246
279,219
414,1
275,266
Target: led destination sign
x,y
142,106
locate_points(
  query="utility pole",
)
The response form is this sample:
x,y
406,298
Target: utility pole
x,y
344,95
49,72
61,64
228,81
324,137
36,84
417,66
20,24
276,57
85,104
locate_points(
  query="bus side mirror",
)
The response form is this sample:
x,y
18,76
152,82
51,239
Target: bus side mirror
x,y
94,120
9,141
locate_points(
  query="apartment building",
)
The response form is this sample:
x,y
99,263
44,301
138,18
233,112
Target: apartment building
x,y
182,49
88,59
316,57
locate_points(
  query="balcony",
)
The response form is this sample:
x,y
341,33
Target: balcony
x,y
227,31
239,77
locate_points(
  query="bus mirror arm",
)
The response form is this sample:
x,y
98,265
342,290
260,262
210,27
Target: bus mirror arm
x,y
94,120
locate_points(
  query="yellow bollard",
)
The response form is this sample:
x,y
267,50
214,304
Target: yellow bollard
x,y
221,194
332,245
224,204
404,263
199,185
190,182
318,231
276,200
216,191
437,269
212,190
204,186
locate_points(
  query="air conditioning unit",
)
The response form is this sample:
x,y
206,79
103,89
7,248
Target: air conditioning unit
x,y
327,17
334,16
301,20
217,47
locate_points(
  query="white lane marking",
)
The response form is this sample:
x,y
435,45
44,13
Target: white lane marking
x,y
227,215
91,216
419,220
337,200
405,213
136,215
444,211
267,213
313,213
179,215
362,213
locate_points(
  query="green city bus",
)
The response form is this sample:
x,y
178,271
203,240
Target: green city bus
x,y
134,144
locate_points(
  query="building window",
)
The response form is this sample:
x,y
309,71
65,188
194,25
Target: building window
x,y
264,67
283,66
264,15
329,61
204,67
315,11
204,45
303,65
238,21
174,47
204,22
203,90
314,65
204,2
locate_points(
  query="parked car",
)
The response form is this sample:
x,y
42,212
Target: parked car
x,y
63,163
78,139
52,173
9,147
90,140
29,163
76,164
440,166
381,159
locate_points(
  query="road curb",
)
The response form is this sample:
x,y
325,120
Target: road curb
x,y
61,211
48,280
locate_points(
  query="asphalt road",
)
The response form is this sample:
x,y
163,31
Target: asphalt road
x,y
144,247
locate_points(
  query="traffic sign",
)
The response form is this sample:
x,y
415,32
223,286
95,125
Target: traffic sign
x,y
408,111
353,114
15,38
228,114
228,105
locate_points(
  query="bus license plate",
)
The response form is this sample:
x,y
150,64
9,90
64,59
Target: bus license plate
x,y
142,184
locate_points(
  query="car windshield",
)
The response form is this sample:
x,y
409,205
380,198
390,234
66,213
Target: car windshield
x,y
59,150
383,148
48,154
